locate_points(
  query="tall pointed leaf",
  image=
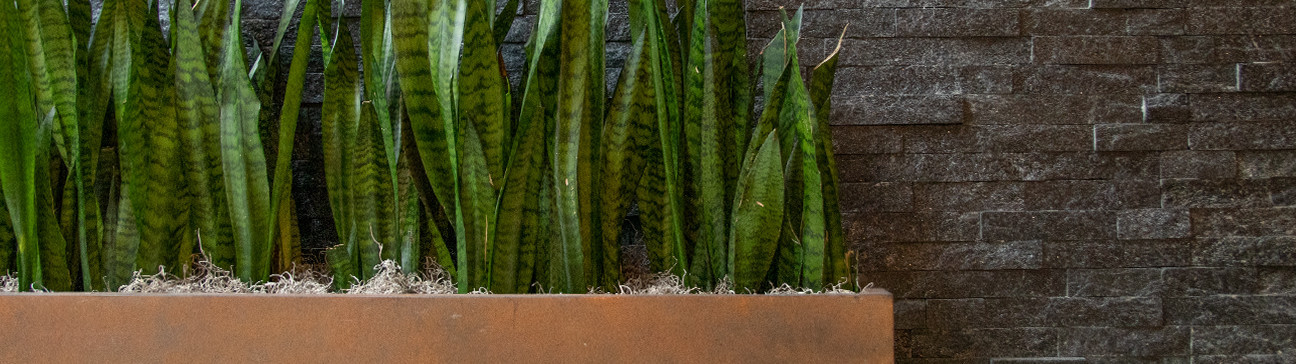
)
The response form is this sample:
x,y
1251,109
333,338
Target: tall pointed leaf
x,y
246,183
758,216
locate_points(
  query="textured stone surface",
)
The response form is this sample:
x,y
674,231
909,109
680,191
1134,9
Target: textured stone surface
x,y
1153,224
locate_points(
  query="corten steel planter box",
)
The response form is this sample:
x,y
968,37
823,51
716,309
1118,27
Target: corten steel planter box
x,y
75,327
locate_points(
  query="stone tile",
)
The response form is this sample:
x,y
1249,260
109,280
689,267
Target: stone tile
x,y
1199,281
1153,224
1049,225
1201,193
1244,222
936,51
1117,253
1266,77
1242,136
956,22
956,256
1231,310
1269,251
1242,340
1132,342
970,284
1096,50
985,342
1140,137
1198,164
969,196
1129,282
1088,79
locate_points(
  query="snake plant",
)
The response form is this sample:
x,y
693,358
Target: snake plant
x,y
126,147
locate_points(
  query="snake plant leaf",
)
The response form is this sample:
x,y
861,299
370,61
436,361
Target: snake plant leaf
x,y
477,206
758,216
148,143
199,112
524,205
821,83
518,230
373,194
804,194
213,20
246,183
53,247
504,22
8,241
704,153
580,109
54,61
482,87
630,123
416,68
408,250
340,119
660,197
288,115
734,88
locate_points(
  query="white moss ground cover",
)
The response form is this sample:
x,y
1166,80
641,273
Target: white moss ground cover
x,y
389,280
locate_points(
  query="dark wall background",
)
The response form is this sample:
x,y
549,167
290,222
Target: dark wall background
x,y
1039,181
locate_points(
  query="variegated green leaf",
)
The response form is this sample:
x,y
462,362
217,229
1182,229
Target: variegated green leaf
x,y
757,217
836,266
246,184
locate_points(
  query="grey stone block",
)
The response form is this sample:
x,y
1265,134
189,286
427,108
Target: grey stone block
x,y
1106,311
1243,340
986,342
876,197
1197,78
1198,281
1227,107
999,138
850,139
1231,310
1104,22
956,256
1071,195
1242,136
1140,137
1121,4
1133,342
1242,20
1198,164
1096,50
1166,108
1088,79
911,227
1117,253
1054,109
1266,77
970,284
1153,224
1128,282
1244,222
956,22
1267,164
1049,225
1269,251
936,51
970,196
897,110
1203,193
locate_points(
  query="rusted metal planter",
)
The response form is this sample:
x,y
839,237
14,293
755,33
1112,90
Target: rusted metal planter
x,y
474,328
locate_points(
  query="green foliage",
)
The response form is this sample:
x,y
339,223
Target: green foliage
x,y
427,152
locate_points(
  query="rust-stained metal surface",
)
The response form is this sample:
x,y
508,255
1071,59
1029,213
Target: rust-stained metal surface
x,y
105,328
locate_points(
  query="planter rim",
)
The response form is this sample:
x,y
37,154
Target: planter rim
x,y
871,292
